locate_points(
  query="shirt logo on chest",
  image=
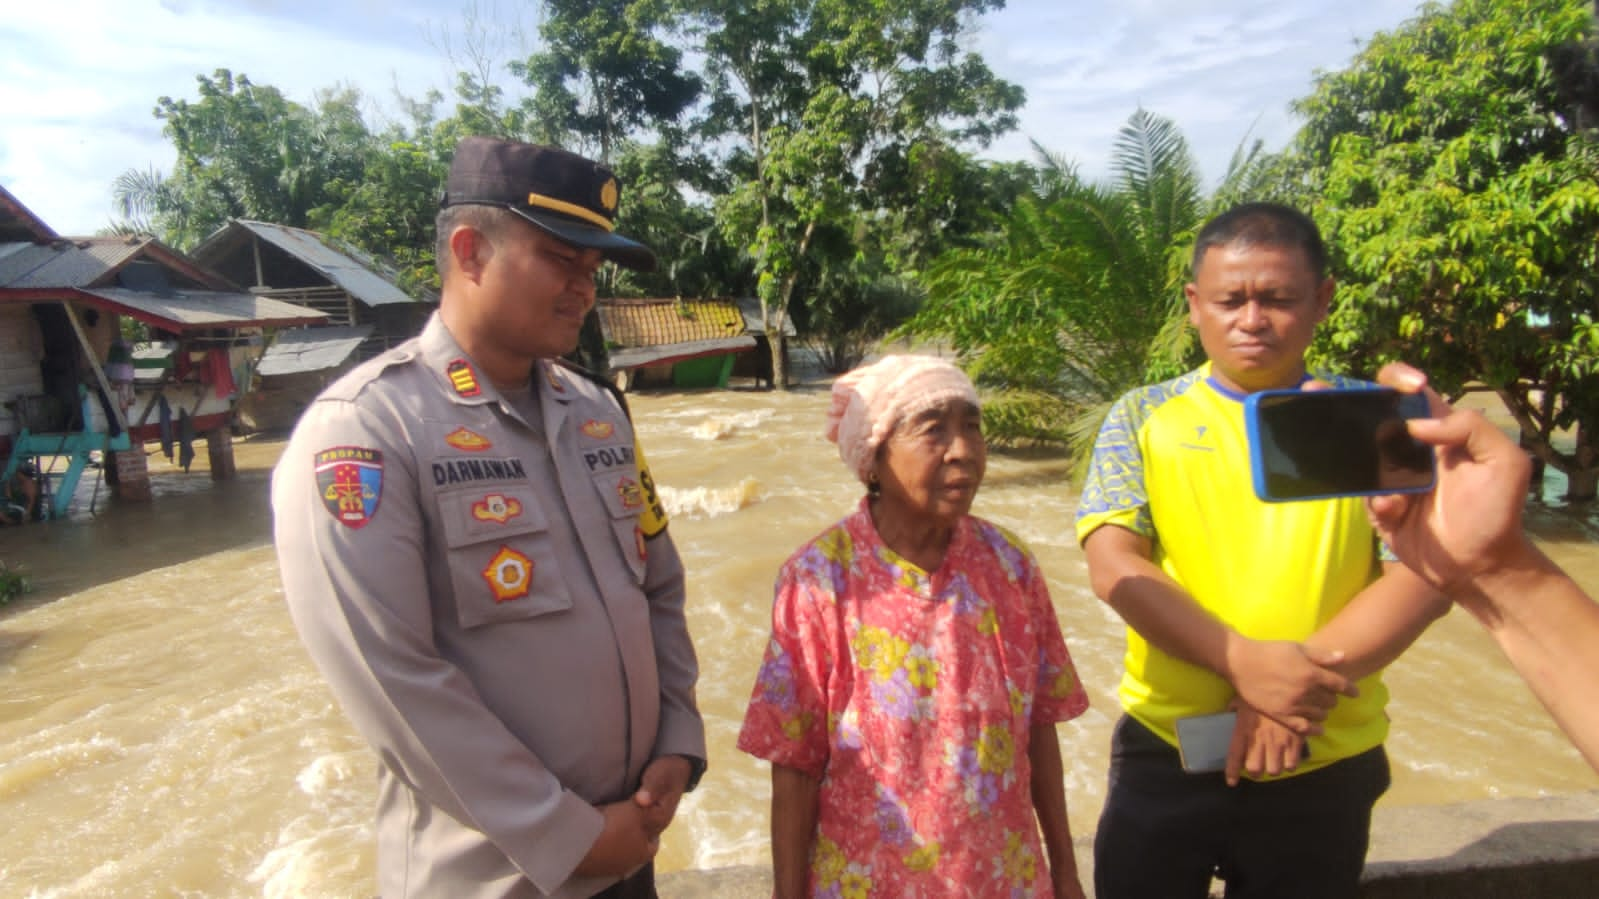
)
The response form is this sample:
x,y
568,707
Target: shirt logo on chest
x,y
469,441
1195,444
509,575
607,457
496,507
631,493
598,430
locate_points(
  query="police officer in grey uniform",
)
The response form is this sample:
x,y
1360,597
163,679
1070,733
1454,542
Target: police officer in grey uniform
x,y
474,554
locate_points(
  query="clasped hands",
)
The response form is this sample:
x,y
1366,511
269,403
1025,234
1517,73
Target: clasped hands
x,y
1285,690
633,826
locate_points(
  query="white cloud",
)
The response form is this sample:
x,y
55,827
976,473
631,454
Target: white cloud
x,y
80,77
1222,70
78,100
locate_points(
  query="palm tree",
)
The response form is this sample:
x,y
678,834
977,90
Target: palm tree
x,y
1078,298
1072,298
141,197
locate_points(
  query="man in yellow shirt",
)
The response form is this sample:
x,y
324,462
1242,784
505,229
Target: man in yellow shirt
x,y
1286,612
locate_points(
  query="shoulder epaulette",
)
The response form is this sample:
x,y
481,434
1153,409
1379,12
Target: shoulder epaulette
x,y
599,379
357,379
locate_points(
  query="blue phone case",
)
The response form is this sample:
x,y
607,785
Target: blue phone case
x,y
1411,405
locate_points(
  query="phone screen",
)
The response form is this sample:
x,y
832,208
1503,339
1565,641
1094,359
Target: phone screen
x,y
1315,444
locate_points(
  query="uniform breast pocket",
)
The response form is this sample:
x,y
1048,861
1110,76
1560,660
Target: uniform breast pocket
x,y
624,497
502,560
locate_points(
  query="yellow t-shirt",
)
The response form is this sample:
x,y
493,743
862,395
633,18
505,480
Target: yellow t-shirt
x,y
1172,464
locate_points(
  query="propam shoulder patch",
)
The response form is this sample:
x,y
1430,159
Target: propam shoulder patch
x,y
350,482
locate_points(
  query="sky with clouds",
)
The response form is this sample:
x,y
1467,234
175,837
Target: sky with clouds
x,y
79,78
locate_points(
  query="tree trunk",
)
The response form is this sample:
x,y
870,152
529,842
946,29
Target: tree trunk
x,y
1535,483
1584,485
1583,478
779,346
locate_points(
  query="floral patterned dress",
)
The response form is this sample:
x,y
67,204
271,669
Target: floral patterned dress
x,y
912,696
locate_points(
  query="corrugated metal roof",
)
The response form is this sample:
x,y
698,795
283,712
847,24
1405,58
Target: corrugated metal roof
x,y
60,264
208,308
679,352
751,309
655,322
354,276
311,349
112,251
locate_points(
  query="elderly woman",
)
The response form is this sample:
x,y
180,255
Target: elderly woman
x,y
916,671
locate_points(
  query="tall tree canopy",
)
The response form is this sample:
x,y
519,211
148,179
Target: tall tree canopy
x,y
818,101
246,151
1459,189
604,72
1078,296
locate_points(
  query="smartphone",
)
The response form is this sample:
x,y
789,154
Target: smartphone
x,y
1203,740
1317,444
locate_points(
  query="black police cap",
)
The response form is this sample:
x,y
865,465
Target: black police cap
x,y
570,197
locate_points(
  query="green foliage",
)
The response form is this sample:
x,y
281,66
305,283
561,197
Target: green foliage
x,y
809,152
13,582
245,151
1460,197
823,102
604,73
389,211
851,307
696,258
1026,417
1069,298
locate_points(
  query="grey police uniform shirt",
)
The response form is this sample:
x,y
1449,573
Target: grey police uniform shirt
x,y
489,610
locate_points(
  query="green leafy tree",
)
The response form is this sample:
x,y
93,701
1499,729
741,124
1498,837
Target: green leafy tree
x,y
604,73
1458,188
855,297
816,97
245,151
664,206
389,211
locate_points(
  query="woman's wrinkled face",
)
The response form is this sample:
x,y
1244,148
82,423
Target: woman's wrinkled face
x,y
933,462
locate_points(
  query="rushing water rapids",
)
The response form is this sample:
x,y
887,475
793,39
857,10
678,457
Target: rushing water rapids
x,y
163,733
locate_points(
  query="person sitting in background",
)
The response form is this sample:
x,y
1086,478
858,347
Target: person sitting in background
x,y
21,497
916,671
1466,539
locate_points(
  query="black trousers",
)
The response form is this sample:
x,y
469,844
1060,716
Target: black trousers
x,y
640,886
1164,832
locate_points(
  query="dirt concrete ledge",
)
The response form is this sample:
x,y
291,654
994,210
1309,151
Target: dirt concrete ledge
x,y
1495,849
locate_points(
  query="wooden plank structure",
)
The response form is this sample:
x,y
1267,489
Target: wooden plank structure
x,y
70,387
667,336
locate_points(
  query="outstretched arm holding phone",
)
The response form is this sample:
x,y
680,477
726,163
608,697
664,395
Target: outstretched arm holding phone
x,y
1466,539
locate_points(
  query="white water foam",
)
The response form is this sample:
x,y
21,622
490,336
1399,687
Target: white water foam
x,y
710,502
720,427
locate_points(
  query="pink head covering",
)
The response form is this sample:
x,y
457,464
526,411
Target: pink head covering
x,y
869,401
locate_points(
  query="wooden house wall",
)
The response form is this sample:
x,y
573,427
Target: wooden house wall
x,y
19,363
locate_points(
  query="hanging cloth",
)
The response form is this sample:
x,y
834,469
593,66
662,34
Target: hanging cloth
x,y
185,439
165,412
219,372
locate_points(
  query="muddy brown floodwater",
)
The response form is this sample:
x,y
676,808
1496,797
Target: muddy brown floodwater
x,y
163,733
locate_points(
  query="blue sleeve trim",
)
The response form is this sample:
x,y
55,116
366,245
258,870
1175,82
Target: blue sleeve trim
x,y
1115,480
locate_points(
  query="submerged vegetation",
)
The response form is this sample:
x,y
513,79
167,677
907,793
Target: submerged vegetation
x,y
13,582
